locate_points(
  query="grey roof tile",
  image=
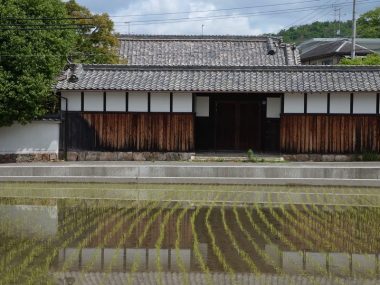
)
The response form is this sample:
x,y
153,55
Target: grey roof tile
x,y
206,51
223,79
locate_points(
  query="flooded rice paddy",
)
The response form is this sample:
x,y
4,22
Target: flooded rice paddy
x,y
156,234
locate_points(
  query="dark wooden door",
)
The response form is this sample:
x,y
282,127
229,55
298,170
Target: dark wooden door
x,y
225,119
250,126
237,125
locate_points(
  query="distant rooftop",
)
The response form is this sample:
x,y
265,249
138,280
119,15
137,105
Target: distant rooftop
x,y
372,44
340,47
229,50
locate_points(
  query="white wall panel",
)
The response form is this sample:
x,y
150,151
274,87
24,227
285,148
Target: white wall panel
x,y
365,103
202,106
138,102
294,103
273,107
115,102
74,101
160,102
183,102
317,103
340,103
93,101
36,137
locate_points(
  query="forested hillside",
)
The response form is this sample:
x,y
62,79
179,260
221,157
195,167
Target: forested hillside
x,y
299,34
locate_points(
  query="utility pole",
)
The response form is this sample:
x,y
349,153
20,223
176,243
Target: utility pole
x,y
353,30
202,28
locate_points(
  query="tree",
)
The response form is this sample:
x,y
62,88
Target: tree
x,y
369,24
371,59
96,41
35,39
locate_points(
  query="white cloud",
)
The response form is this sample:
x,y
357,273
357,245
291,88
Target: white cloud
x,y
236,25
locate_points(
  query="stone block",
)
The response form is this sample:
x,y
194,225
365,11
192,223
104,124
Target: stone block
x,y
315,157
45,157
24,158
92,156
124,156
302,157
107,156
139,156
53,157
342,158
72,156
328,158
289,157
82,155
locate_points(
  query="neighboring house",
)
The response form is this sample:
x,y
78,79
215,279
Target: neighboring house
x,y
188,93
330,51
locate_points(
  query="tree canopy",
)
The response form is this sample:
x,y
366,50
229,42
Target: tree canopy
x,y
36,40
369,24
34,43
371,59
96,41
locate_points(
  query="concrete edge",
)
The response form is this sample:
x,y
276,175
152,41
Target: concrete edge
x,y
198,180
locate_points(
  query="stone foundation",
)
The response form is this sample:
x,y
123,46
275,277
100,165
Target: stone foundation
x,y
127,156
28,157
322,157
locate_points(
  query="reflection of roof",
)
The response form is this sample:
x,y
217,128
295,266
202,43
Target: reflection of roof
x,y
330,48
206,51
195,278
222,79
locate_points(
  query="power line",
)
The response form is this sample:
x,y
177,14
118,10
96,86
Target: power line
x,y
208,18
213,10
45,19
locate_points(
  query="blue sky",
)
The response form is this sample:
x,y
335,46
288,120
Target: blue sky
x,y
260,16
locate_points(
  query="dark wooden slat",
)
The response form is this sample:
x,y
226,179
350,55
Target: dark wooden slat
x,y
131,131
319,133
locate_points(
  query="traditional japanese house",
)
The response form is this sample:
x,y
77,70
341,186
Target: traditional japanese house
x,y
228,93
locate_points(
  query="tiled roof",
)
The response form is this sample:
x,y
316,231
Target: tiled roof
x,y
206,51
339,47
222,79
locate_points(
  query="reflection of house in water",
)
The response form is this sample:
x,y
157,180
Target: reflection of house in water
x,y
35,220
101,237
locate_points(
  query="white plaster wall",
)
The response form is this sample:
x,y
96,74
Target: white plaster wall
x,y
115,101
183,102
273,107
138,102
202,106
73,101
93,101
317,103
294,103
340,103
364,103
36,137
160,102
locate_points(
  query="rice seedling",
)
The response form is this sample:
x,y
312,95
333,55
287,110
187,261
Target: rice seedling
x,y
241,252
216,249
159,241
181,265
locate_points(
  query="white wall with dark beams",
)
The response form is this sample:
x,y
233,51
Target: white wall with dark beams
x,y
133,101
331,103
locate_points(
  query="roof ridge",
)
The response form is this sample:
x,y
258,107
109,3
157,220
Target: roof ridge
x,y
326,68
197,37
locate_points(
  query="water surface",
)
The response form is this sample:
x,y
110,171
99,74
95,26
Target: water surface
x,y
159,234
